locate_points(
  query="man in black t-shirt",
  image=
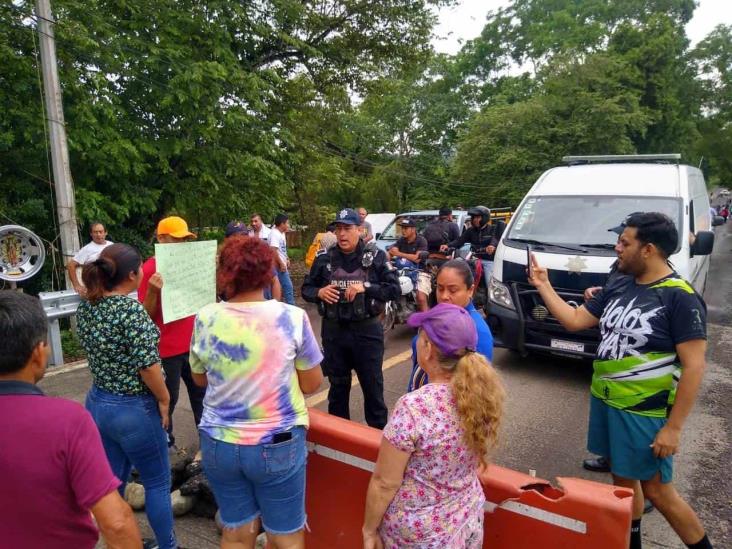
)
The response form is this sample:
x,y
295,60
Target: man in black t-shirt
x,y
407,252
648,367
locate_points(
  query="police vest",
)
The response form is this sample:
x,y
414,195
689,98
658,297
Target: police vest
x,y
362,307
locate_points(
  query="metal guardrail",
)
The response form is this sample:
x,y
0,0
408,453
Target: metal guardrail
x,y
58,305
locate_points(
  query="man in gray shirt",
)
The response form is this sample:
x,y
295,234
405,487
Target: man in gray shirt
x,y
367,232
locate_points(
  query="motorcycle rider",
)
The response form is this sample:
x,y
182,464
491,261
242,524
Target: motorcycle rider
x,y
483,237
350,283
409,251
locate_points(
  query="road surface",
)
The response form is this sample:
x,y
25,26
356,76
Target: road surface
x,y
546,418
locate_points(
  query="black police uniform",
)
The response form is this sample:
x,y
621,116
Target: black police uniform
x,y
352,335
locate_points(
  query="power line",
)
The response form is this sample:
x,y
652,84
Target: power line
x,y
386,169
462,188
176,65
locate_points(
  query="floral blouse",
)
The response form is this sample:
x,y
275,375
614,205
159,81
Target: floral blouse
x,y
440,502
120,339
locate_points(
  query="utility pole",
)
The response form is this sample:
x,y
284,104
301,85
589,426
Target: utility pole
x,y
64,187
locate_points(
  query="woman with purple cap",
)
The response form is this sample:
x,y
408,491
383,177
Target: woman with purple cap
x,y
425,490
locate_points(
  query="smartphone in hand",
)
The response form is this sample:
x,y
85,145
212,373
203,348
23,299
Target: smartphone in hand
x,y
529,267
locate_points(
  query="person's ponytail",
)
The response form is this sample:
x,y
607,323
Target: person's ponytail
x,y
94,275
479,395
109,270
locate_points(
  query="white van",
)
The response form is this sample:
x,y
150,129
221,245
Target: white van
x,y
565,218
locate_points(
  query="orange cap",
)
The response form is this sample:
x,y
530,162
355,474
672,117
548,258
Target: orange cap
x,y
174,226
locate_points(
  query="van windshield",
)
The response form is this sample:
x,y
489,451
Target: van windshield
x,y
584,220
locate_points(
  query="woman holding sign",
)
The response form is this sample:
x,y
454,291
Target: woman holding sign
x,y
128,399
257,357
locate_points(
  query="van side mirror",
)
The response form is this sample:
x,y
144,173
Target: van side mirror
x,y
377,236
717,220
703,244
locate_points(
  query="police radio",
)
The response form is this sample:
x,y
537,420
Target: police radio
x,y
369,253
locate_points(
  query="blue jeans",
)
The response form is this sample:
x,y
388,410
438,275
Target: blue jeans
x,y
133,435
260,479
288,291
487,271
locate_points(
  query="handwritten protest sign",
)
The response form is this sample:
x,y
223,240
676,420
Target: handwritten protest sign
x,y
189,277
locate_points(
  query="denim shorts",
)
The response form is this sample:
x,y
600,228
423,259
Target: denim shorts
x,y
625,440
266,480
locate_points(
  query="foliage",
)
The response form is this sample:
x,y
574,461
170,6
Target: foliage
x,y
191,107
71,346
714,63
608,77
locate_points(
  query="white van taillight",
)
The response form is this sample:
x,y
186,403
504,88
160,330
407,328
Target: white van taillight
x,y
499,294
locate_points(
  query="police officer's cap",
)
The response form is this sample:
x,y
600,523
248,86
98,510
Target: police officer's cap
x,y
347,216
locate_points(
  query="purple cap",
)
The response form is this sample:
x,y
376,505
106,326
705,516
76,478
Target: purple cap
x,y
449,327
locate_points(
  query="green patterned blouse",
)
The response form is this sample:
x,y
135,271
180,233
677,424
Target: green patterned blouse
x,y
120,339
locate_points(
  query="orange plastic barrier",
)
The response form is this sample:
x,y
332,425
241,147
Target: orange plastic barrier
x,y
521,511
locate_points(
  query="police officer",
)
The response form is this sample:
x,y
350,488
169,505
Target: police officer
x,y
350,284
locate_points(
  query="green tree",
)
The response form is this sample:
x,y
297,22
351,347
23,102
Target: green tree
x,y
713,56
193,107
583,108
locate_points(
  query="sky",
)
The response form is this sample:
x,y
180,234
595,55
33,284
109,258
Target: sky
x,y
466,20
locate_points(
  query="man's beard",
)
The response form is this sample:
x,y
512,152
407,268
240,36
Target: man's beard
x,y
633,267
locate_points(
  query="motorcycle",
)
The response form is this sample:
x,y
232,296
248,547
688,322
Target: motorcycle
x,y
480,291
397,312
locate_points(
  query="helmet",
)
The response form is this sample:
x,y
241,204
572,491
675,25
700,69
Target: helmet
x,y
482,211
406,285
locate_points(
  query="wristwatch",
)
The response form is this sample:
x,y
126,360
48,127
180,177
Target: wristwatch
x,y
367,284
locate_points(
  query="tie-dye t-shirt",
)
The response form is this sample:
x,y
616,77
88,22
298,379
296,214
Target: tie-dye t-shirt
x,y
250,353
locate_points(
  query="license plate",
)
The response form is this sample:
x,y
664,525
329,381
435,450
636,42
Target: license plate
x,y
568,345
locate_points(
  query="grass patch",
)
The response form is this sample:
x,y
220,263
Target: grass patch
x,y
73,350
296,254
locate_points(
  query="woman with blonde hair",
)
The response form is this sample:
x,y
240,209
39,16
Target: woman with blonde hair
x,y
425,490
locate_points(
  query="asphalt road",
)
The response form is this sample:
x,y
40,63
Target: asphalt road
x,y
546,418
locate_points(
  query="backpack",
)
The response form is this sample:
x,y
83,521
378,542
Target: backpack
x,y
436,234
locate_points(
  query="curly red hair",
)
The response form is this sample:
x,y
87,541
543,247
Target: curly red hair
x,y
245,264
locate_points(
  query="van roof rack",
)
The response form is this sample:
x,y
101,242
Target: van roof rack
x,y
673,158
